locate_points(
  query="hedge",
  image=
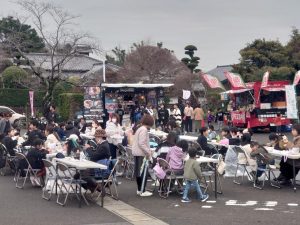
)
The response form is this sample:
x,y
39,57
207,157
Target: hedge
x,y
19,97
68,104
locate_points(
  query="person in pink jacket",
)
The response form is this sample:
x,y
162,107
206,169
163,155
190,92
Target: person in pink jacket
x,y
176,155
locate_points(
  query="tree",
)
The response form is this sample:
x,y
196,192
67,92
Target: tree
x,y
151,64
261,56
60,40
13,77
118,58
193,61
11,29
293,49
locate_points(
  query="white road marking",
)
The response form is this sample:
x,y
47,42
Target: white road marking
x,y
206,206
211,201
263,209
271,203
292,204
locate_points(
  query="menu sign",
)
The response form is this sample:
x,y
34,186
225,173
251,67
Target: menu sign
x,y
93,107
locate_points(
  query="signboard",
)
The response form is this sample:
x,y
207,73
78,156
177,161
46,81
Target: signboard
x,y
93,108
238,117
111,103
292,111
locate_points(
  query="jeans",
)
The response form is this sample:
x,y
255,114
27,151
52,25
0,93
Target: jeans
x,y
220,125
188,124
188,185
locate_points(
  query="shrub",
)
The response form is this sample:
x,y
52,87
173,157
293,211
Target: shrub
x,y
19,97
68,104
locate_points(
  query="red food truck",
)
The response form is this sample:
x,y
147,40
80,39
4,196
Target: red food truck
x,y
256,106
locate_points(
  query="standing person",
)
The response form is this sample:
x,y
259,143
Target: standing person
x,y
220,118
176,113
120,112
155,116
198,117
210,117
114,133
149,110
52,116
191,175
5,125
141,150
188,113
163,116
278,123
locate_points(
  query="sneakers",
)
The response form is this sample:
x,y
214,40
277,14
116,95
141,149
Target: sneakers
x,y
138,192
185,200
146,194
204,198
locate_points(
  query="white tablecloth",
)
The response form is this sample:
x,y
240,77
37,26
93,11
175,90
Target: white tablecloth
x,y
80,164
188,138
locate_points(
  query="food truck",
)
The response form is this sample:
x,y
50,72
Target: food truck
x,y
99,101
256,106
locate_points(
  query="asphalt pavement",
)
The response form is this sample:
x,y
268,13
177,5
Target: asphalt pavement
x,y
239,204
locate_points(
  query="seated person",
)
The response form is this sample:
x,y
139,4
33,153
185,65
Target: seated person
x,y
244,158
52,143
262,158
212,134
163,148
10,141
172,126
60,130
274,141
34,156
286,167
102,150
202,141
234,139
176,155
71,146
225,134
33,133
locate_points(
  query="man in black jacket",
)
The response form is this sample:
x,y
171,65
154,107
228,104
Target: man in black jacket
x,y
9,143
163,115
33,133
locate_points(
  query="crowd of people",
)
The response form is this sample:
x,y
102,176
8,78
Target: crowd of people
x,y
98,142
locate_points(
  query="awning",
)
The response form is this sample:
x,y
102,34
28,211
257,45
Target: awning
x,y
236,91
274,88
136,85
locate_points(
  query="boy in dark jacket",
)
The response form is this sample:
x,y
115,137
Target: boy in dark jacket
x,y
191,175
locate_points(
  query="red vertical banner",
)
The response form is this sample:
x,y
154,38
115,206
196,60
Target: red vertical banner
x,y
31,94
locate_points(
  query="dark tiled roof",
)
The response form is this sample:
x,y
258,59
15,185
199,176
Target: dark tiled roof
x,y
78,63
218,72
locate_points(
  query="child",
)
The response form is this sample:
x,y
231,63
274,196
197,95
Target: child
x,y
176,155
210,117
212,135
191,174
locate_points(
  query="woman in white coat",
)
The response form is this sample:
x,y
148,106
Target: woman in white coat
x,y
115,134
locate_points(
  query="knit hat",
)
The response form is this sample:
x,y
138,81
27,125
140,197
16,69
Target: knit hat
x,y
100,133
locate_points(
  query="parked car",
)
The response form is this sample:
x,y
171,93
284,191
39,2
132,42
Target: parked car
x,y
17,119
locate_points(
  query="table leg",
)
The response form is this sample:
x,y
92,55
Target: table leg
x,y
294,176
79,188
102,192
215,165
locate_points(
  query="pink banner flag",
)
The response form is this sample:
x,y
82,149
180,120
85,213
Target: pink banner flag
x,y
212,81
296,78
31,94
235,80
265,79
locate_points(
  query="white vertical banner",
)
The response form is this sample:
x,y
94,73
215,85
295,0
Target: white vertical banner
x,y
291,102
31,93
186,94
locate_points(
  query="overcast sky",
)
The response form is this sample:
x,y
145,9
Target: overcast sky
x,y
218,28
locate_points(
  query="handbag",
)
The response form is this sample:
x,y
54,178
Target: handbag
x,y
221,167
159,172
